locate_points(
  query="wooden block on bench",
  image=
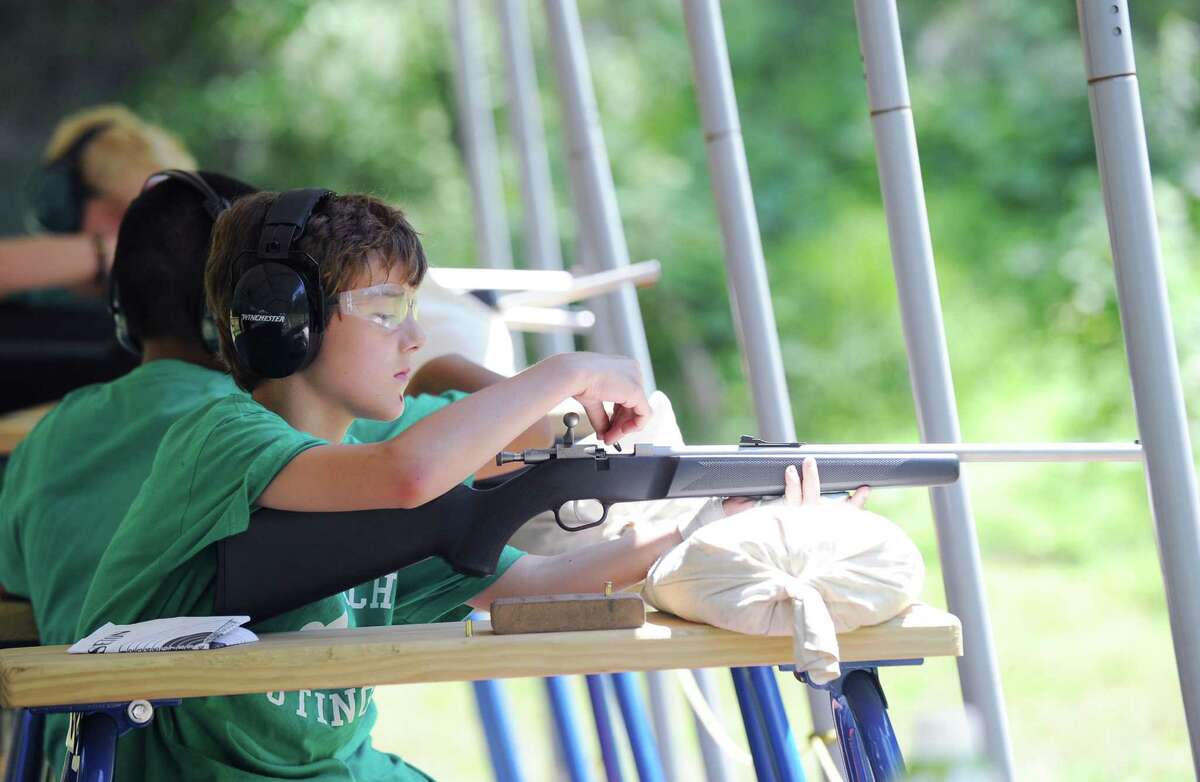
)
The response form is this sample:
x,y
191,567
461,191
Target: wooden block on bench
x,y
565,613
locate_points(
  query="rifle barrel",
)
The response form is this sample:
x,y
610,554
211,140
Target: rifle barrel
x,y
966,452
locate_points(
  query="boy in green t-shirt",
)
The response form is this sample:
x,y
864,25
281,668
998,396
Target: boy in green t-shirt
x,y
336,306
72,479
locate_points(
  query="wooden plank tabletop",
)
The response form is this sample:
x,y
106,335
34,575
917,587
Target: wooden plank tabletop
x,y
47,675
15,425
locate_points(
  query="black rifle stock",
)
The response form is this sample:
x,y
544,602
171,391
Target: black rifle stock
x,y
286,560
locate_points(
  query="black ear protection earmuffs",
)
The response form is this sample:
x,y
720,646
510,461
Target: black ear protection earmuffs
x,y
214,203
278,313
59,191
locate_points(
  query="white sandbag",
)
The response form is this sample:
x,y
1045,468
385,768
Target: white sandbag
x,y
809,571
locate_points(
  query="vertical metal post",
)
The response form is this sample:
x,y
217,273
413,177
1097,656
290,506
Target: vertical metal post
x,y
716,769
597,687
928,358
497,730
1124,164
602,238
597,205
525,113
641,738
756,732
603,336
746,270
775,722
479,149
659,689
754,315
566,729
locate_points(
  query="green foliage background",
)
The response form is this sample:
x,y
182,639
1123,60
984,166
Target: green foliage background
x,y
358,95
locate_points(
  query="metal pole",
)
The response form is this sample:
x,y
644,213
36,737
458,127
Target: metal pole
x,y
566,729
756,732
603,338
597,687
745,266
479,149
1149,341
497,730
602,239
775,722
599,217
928,358
537,192
716,769
641,739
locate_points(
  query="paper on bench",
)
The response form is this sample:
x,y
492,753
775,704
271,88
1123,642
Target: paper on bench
x,y
180,633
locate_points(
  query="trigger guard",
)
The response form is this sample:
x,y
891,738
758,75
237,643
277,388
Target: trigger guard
x,y
581,527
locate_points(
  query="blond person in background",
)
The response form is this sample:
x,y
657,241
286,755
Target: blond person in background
x,y
55,329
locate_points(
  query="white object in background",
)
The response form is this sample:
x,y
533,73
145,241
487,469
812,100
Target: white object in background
x,y
809,571
174,634
458,323
479,279
585,286
547,320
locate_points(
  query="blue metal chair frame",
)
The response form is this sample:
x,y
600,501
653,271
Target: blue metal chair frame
x,y
869,747
25,760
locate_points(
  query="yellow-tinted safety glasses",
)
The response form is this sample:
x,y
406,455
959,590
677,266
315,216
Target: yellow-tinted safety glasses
x,y
387,305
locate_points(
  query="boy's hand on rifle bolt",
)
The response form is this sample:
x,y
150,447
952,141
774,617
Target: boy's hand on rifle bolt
x,y
613,379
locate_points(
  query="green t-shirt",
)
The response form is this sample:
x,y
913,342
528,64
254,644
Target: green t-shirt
x,y
70,481
211,467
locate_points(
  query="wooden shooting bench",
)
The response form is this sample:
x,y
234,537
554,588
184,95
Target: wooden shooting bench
x,y
110,687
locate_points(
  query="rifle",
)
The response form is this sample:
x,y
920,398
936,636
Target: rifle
x,y
288,559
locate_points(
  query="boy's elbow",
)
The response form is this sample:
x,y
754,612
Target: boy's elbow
x,y
414,481
413,487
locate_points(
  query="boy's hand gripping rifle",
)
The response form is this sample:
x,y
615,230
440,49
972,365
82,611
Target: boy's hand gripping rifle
x,y
287,559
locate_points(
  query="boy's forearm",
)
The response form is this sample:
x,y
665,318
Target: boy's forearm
x,y
437,452
453,372
30,263
623,561
429,458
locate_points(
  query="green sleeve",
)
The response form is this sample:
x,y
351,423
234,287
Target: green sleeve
x,y
209,471
443,592
13,577
237,461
